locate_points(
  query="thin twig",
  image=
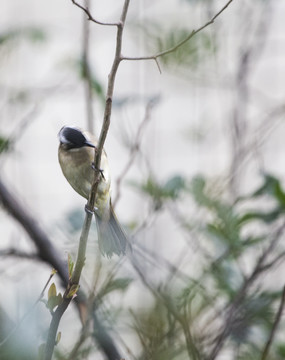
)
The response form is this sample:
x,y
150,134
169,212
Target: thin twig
x,y
134,150
274,327
177,46
91,18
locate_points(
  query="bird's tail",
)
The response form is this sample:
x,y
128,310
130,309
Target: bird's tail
x,y
111,237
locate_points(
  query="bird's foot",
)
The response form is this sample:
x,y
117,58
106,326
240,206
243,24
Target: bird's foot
x,y
89,211
101,171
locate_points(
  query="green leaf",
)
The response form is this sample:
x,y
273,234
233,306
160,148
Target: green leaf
x,y
73,290
52,291
70,265
54,299
281,350
266,217
271,187
30,33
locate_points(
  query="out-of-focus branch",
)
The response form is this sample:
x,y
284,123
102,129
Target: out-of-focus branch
x,y
232,312
47,252
274,327
174,48
20,254
87,72
134,149
249,55
189,340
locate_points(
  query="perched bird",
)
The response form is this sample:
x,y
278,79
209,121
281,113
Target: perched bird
x,y
76,157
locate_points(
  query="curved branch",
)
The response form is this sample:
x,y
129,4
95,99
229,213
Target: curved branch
x,y
174,48
90,17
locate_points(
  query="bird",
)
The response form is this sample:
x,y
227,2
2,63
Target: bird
x,y
76,154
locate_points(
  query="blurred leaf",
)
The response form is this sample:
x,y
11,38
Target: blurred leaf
x,y
271,187
161,192
281,350
267,217
120,284
174,185
4,144
86,73
30,33
197,188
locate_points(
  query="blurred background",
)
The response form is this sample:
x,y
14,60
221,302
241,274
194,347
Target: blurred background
x,y
196,155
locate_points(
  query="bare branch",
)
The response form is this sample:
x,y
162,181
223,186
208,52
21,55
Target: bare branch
x,y
90,17
174,48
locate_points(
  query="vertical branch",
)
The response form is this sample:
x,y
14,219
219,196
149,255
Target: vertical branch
x,y
86,71
108,105
249,54
74,280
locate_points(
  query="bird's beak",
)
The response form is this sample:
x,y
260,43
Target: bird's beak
x,y
88,143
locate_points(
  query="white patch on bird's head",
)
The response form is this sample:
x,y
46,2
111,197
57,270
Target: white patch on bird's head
x,y
73,137
62,134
